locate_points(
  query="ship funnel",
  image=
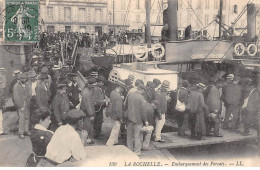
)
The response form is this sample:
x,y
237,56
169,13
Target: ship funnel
x,y
251,21
172,20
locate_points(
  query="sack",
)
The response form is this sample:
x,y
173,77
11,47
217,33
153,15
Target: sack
x,y
109,110
179,105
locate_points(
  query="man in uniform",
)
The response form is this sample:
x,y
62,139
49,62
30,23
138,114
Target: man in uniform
x,y
73,90
162,97
88,107
60,106
136,117
19,97
100,103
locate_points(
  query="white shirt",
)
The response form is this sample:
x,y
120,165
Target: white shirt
x,y
64,144
34,84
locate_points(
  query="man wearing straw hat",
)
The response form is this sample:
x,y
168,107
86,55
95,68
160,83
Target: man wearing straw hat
x,y
15,75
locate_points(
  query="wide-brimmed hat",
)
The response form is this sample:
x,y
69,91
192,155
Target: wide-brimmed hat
x,y
76,114
16,72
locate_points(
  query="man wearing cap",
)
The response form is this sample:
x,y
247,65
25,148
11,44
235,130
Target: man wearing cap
x,y
151,112
19,97
73,90
213,102
45,71
60,106
162,97
136,116
198,109
66,144
156,83
116,112
43,93
133,89
183,117
14,81
31,94
232,99
100,103
88,107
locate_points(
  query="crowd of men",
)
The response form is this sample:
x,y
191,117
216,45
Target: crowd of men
x,y
50,102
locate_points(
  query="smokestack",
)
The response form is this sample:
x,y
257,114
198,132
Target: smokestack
x,y
173,20
251,21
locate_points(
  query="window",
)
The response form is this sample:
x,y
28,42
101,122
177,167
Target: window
x,y
67,14
50,29
98,17
50,13
82,14
122,4
216,4
207,4
206,22
137,18
67,28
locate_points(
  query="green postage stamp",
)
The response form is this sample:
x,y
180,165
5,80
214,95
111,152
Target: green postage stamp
x,y
21,21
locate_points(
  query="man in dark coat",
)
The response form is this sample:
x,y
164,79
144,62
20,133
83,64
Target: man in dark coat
x,y
198,109
73,90
183,117
88,107
43,93
149,93
232,99
100,104
213,102
19,97
116,112
136,116
60,106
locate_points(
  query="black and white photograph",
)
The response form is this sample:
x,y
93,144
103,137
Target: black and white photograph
x,y
130,83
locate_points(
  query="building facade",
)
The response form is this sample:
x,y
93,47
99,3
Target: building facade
x,y
86,16
131,14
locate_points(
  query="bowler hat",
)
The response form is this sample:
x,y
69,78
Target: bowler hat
x,y
76,114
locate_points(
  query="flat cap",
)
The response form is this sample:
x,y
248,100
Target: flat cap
x,y
141,87
150,84
166,84
156,81
92,80
76,114
44,70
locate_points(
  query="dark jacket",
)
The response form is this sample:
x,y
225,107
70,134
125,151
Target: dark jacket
x,y
60,106
116,102
161,98
150,113
196,102
11,88
42,95
73,93
213,99
232,94
149,94
87,103
19,95
98,96
136,108
183,95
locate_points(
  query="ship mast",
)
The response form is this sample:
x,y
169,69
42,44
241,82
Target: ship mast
x,y
148,25
220,18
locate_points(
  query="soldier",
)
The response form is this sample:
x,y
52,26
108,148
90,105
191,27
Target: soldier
x,y
87,106
162,97
100,103
31,95
19,97
43,93
73,90
60,106
136,117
